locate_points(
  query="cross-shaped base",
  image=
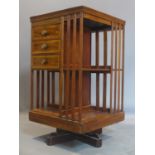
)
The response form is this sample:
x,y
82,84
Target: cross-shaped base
x,y
61,136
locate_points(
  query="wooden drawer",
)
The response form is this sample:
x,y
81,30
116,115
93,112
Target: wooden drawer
x,y
52,46
45,62
46,31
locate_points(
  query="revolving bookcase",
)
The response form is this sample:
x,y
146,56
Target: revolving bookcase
x,y
77,73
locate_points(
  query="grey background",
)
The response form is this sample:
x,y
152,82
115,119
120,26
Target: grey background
x,y
121,8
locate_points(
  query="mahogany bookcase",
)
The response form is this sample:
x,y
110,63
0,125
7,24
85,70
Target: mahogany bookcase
x,y
76,54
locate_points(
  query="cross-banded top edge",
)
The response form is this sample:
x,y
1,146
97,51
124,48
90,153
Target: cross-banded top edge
x,y
84,9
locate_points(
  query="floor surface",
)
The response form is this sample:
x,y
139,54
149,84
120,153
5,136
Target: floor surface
x,y
118,139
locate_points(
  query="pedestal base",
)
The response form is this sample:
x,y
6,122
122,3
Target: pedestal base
x,y
61,136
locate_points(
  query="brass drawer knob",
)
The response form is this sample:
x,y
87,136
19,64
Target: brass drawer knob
x,y
44,32
44,46
44,61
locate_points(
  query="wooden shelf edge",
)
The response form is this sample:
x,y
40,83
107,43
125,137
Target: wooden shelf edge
x,y
75,126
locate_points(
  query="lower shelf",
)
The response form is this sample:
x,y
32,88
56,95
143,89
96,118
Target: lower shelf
x,y
91,120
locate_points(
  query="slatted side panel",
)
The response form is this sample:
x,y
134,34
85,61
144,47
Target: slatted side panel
x,y
99,80
72,64
113,84
117,68
43,91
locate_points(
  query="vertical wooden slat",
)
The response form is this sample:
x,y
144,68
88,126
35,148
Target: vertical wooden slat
x,y
115,82
73,71
73,93
37,89
60,92
31,78
42,89
67,92
119,54
97,74
53,87
123,37
86,63
80,65
67,81
111,75
105,75
31,91
48,88
97,49
61,74
80,95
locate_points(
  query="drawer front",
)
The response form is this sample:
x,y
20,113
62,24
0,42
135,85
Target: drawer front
x,y
52,46
45,62
46,32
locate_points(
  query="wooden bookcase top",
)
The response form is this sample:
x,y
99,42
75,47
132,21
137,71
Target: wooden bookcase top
x,y
88,13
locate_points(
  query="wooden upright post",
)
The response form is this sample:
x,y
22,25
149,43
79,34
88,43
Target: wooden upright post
x,y
53,88
122,108
73,66
37,89
111,72
42,89
115,81
80,65
48,88
61,74
105,75
119,67
31,91
97,74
